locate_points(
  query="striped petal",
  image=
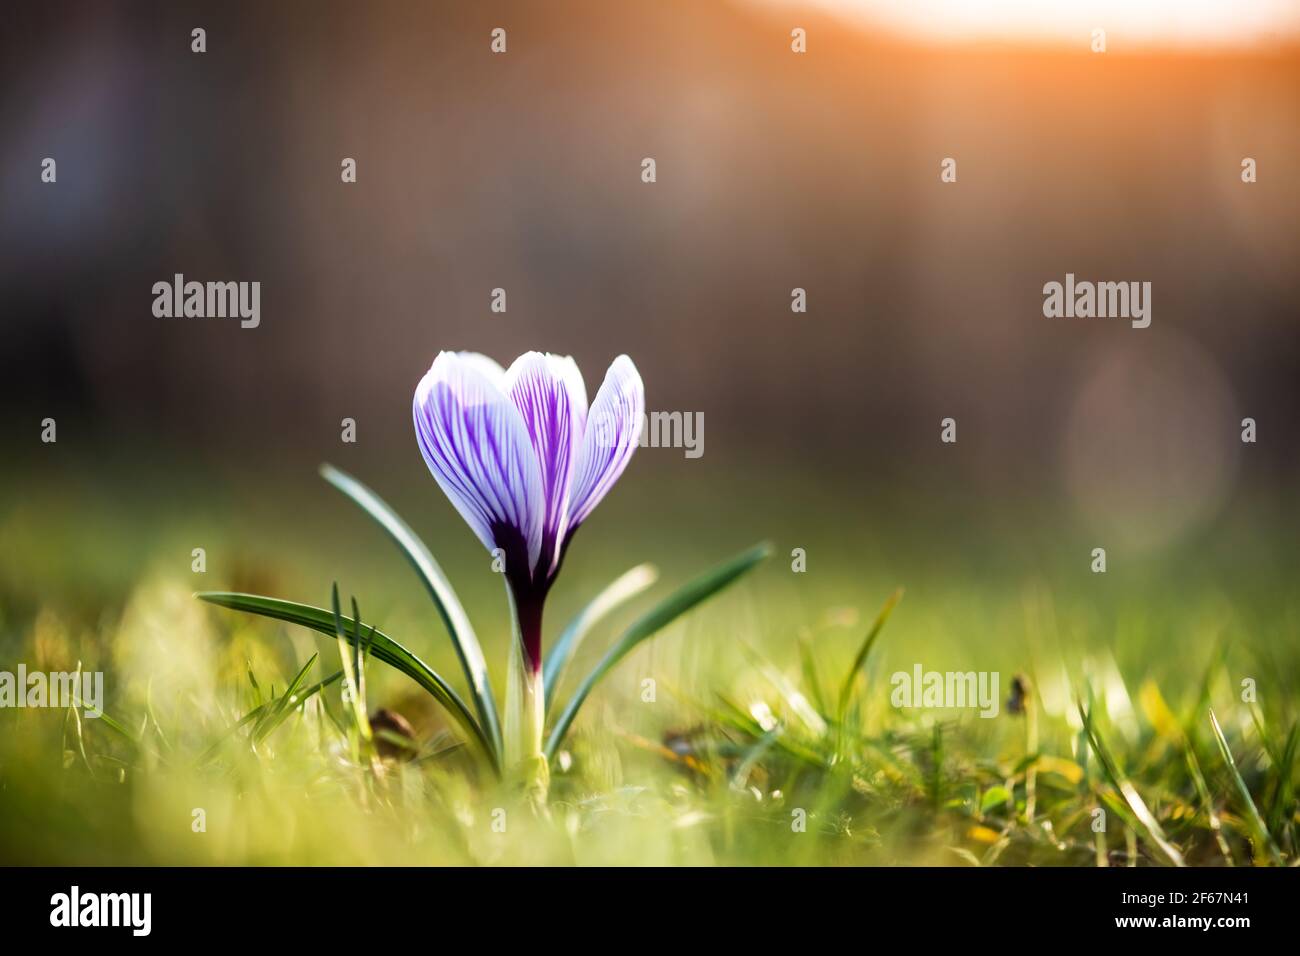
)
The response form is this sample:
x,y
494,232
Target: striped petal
x,y
478,448
613,430
552,399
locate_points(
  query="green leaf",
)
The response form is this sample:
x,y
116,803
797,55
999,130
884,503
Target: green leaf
x,y
994,797
622,589
846,691
444,597
661,615
1253,816
382,647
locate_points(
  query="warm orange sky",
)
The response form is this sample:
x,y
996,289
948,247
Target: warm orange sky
x,y
1206,23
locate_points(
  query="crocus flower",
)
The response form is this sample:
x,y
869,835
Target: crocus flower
x,y
525,462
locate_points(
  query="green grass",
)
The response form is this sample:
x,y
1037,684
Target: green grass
x,y
767,736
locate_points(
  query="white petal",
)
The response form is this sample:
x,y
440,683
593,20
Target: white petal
x,y
613,431
486,366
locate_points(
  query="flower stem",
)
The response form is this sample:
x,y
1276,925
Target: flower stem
x,y
525,761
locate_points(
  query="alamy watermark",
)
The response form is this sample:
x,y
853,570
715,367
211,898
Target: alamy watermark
x,y
75,908
1102,300
54,689
209,300
946,689
683,430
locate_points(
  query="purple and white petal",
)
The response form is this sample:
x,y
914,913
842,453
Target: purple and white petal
x,y
476,445
549,392
486,366
613,430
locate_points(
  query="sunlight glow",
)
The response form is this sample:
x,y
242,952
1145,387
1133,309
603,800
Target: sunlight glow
x,y
1208,23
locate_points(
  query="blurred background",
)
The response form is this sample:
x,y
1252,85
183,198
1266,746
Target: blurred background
x,y
775,171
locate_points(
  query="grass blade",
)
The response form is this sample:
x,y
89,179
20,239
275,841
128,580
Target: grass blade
x,y
1203,793
114,725
352,656
382,647
793,698
808,664
257,713
1142,814
444,597
846,691
1282,795
275,714
1252,812
662,614
622,589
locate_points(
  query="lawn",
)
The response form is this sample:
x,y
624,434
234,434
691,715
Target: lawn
x,y
1144,716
